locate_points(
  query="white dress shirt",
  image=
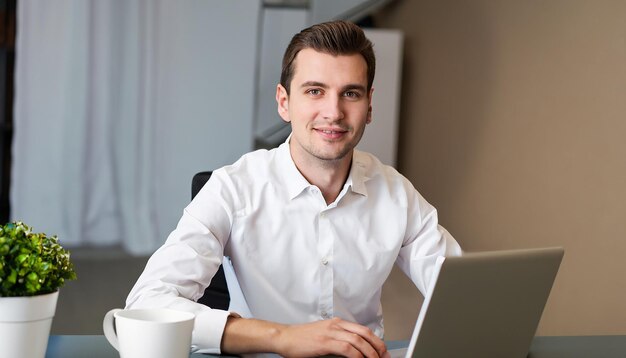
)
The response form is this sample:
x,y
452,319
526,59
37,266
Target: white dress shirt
x,y
296,258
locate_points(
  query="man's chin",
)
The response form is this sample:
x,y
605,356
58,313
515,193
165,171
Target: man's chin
x,y
336,156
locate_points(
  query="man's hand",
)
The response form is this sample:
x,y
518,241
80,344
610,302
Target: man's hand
x,y
334,336
329,337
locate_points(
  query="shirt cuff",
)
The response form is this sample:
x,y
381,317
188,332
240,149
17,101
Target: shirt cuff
x,y
208,330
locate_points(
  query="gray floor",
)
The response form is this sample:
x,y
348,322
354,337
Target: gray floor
x,y
105,276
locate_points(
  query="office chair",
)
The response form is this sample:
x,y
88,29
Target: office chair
x,y
216,295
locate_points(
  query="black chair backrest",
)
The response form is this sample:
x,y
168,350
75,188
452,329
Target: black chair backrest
x,y
216,295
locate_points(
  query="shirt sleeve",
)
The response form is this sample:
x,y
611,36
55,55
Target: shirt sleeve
x,y
424,242
179,271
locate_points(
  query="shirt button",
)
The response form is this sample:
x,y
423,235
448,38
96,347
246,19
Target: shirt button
x,y
323,215
324,261
325,315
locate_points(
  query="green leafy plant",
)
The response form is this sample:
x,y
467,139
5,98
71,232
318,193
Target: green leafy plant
x,y
31,263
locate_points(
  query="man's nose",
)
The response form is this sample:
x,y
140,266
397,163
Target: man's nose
x,y
332,108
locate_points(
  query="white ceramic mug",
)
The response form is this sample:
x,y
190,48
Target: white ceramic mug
x,y
154,333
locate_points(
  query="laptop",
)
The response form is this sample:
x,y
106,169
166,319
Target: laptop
x,y
485,304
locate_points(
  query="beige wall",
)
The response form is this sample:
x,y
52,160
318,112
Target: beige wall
x,y
514,126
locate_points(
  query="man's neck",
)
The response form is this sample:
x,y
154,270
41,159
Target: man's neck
x,y
328,176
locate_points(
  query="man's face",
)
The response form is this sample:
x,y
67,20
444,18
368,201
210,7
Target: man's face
x,y
328,106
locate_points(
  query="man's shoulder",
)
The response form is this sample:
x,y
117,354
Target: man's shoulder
x,y
373,167
385,178
261,156
250,165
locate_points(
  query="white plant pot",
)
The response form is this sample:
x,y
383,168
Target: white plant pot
x,y
25,325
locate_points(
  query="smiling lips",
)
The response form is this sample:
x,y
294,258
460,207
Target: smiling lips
x,y
334,133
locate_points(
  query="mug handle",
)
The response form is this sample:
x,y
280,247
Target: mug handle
x,y
108,326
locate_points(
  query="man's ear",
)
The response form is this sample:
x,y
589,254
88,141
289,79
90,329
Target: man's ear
x,y
369,109
282,99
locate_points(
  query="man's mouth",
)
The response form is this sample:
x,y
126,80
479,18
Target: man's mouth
x,y
331,133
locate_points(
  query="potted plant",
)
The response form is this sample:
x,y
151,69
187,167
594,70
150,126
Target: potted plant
x,y
33,266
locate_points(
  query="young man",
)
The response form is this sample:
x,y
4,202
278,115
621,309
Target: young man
x,y
313,227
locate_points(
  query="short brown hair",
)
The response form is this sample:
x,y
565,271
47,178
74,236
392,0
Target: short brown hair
x,y
334,38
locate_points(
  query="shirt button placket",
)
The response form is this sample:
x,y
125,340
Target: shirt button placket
x,y
325,249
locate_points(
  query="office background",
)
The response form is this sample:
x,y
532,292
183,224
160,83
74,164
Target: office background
x,y
513,121
512,125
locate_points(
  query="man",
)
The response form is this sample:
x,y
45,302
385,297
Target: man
x,y
313,227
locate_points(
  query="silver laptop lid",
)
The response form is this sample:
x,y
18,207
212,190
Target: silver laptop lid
x,y
485,304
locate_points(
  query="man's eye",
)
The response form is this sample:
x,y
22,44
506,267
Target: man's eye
x,y
314,92
352,94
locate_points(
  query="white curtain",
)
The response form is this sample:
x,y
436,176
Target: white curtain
x,y
118,104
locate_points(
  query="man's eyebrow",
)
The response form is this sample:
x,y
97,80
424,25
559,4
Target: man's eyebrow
x,y
313,84
354,86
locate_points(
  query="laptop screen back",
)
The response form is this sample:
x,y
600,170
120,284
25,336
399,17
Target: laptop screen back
x,y
485,304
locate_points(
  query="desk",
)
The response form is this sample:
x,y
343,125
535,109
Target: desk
x,y
578,347
85,347
542,347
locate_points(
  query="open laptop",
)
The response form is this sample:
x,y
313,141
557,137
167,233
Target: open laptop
x,y
484,304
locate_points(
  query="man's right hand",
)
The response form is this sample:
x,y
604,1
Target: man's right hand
x,y
328,337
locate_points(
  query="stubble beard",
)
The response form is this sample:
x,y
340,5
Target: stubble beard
x,y
332,160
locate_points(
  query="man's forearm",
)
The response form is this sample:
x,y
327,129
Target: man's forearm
x,y
250,336
326,337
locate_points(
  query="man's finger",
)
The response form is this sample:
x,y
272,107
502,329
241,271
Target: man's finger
x,y
366,334
359,343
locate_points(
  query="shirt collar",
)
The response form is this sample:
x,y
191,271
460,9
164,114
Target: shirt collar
x,y
358,177
293,179
296,183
